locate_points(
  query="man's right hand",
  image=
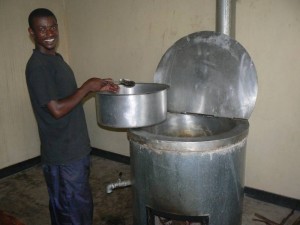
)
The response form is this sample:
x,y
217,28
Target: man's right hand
x,y
97,84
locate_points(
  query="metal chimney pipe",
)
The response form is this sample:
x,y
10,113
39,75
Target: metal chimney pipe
x,y
225,17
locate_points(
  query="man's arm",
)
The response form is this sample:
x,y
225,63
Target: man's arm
x,y
61,107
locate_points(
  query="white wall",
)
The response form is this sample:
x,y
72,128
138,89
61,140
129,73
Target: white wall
x,y
127,38
270,31
19,139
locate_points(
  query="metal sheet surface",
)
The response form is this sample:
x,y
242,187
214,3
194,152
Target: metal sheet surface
x,y
209,73
189,183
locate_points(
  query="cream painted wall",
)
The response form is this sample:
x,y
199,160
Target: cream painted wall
x,y
19,139
126,38
270,31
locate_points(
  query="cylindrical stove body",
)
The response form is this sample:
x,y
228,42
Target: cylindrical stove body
x,y
190,168
190,165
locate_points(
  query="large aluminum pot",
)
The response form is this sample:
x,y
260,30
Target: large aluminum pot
x,y
143,105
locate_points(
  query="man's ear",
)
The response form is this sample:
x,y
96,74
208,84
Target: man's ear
x,y
31,32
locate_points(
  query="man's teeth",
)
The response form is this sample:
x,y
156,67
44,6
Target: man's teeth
x,y
50,40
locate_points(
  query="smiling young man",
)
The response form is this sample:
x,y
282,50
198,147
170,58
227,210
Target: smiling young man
x,y
65,144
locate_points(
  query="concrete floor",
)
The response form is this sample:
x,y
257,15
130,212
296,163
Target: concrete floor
x,y
24,196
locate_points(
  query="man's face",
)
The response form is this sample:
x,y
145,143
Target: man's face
x,y
45,34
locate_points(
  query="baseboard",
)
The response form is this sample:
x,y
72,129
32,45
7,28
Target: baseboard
x,y
10,170
272,198
250,192
111,156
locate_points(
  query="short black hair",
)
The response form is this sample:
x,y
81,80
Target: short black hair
x,y
39,12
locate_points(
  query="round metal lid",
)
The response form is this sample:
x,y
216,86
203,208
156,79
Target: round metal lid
x,y
209,73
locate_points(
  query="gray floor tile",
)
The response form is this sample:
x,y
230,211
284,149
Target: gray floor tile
x,y
24,195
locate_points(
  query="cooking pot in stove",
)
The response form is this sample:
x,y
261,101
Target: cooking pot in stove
x,y
189,169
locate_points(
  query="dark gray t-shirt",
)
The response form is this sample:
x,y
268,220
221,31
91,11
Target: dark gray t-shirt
x,y
62,140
